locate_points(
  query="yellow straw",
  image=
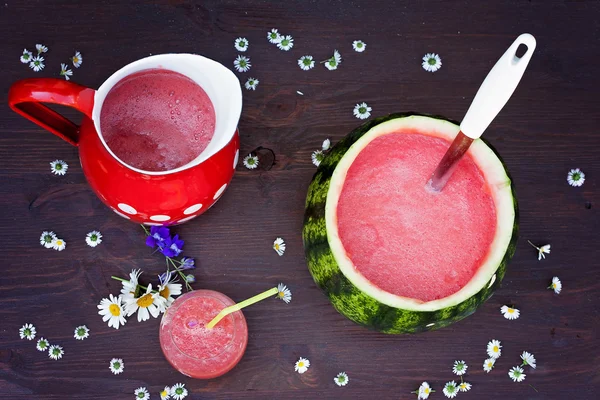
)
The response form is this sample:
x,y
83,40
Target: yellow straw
x,y
236,307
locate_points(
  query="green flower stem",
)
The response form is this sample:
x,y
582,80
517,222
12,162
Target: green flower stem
x,y
127,280
180,272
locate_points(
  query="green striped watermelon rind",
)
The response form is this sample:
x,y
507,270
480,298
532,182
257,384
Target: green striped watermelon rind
x,y
346,297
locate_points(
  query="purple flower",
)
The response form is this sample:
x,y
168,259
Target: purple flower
x,y
187,263
158,236
172,247
190,278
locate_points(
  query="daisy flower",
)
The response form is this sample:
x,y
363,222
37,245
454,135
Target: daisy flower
x,y
41,49
509,312
93,239
141,393
362,111
130,287
576,177
250,161
81,332
116,366
65,71
464,386
59,167
77,59
27,331
541,250
251,83
112,311
59,244
147,304
279,246
47,238
556,285
42,344
26,56
450,390
359,46
326,144
55,352
431,62
167,289
274,36
424,391
488,364
317,157
285,294
341,379
242,63
178,391
285,43
494,349
241,44
302,365
516,374
165,394
306,62
37,63
528,359
333,62
460,368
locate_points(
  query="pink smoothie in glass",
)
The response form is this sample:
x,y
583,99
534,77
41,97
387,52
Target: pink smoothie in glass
x,y
157,120
194,350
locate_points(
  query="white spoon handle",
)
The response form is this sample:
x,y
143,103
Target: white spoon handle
x,y
497,88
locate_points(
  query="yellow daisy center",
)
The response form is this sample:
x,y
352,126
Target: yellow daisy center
x,y
281,294
426,390
495,351
301,364
59,242
75,59
145,301
163,393
554,286
276,246
165,292
510,310
115,310
490,364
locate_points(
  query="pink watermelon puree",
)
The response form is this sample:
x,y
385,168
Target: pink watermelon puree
x,y
404,239
193,349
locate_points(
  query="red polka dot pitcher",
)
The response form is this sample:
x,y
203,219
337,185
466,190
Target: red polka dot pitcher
x,y
152,198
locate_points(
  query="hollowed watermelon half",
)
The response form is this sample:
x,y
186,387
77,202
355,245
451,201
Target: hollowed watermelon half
x,y
390,254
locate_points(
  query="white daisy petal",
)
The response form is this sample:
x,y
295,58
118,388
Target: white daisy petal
x,y
285,43
516,374
112,311
37,63
302,365
116,366
141,393
284,293
42,344
459,368
77,59
528,359
576,177
26,57
93,238
326,145
165,394
274,36
279,246
55,352
464,386
341,379
359,46
167,289
59,244
178,391
65,71
251,83
510,312
556,285
450,390
431,62
27,331
494,349
424,391
306,62
59,167
41,48
488,364
316,157
362,111
242,64
81,332
47,238
250,161
241,44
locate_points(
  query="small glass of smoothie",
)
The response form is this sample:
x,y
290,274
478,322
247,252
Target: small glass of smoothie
x,y
195,350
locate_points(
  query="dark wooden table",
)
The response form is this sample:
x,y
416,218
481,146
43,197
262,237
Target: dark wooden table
x,y
549,126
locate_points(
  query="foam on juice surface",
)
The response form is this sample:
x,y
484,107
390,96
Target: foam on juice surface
x,y
405,239
157,120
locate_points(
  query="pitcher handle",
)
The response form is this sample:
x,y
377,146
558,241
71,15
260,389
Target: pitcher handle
x,y
26,97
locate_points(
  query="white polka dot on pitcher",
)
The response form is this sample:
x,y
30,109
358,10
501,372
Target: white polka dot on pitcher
x,y
192,209
127,208
186,219
160,218
235,160
152,224
220,191
121,214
